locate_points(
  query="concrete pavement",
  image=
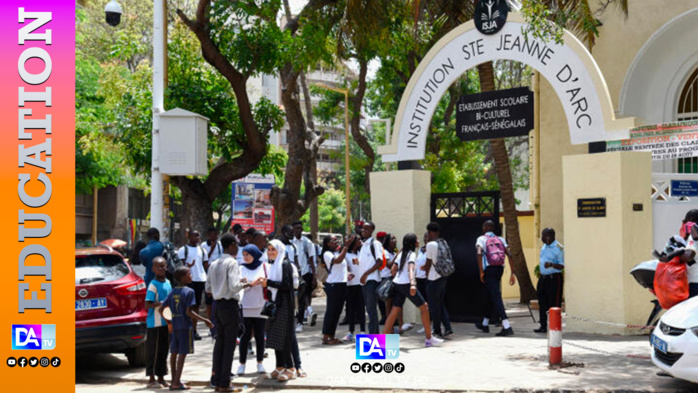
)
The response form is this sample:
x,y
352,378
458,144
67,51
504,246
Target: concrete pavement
x,y
471,361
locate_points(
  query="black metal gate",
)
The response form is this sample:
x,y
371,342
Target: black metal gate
x,y
461,216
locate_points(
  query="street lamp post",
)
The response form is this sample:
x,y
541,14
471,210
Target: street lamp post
x,y
113,15
346,150
156,182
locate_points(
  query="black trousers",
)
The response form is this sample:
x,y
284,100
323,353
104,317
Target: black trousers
x,y
355,308
549,295
157,344
258,325
493,277
283,359
295,350
436,291
335,302
227,324
305,296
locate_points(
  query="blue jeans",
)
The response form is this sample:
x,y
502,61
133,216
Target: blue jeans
x,y
371,303
436,291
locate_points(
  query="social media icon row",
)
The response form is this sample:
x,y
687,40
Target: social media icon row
x,y
33,362
377,367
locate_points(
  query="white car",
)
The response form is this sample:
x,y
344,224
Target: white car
x,y
675,341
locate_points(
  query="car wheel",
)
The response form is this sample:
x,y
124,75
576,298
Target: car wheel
x,y
136,356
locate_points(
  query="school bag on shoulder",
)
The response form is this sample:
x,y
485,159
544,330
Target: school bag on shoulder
x,y
495,251
444,265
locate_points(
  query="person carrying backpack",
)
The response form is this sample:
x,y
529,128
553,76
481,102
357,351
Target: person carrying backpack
x,y
492,251
438,266
196,259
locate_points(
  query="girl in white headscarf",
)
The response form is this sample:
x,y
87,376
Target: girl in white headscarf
x,y
280,337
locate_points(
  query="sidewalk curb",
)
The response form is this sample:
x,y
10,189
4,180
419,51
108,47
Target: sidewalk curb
x,y
268,384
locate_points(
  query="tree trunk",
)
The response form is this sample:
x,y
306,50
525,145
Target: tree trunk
x,y
355,124
198,208
287,200
314,208
506,185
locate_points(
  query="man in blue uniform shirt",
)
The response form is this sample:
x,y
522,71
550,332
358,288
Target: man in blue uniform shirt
x,y
549,289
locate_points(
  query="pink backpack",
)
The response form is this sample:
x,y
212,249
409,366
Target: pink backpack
x,y
495,251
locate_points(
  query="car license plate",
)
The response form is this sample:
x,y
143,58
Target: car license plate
x,y
659,343
90,304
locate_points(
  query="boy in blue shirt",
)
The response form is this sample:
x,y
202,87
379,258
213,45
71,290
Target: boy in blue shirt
x,y
182,304
158,335
552,261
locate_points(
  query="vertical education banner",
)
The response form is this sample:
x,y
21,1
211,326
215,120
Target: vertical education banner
x,y
251,204
37,161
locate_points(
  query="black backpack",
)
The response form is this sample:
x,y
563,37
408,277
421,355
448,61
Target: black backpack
x,y
170,255
444,265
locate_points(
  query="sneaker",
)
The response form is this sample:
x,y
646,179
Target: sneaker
x,y
433,341
260,368
485,329
250,351
348,337
421,331
313,319
197,337
448,334
241,369
299,328
406,327
505,332
540,330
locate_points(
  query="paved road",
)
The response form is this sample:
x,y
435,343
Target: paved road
x,y
472,361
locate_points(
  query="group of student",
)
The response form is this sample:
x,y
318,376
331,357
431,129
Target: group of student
x,y
363,264
237,276
244,274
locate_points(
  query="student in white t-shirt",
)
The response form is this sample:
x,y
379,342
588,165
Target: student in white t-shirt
x,y
356,314
405,287
196,259
335,286
251,270
370,261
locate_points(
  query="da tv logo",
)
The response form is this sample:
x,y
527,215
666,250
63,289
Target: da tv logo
x,y
377,346
33,337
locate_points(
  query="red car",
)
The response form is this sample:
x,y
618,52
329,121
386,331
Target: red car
x,y
109,305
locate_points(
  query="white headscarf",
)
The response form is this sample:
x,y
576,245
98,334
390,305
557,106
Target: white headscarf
x,y
276,269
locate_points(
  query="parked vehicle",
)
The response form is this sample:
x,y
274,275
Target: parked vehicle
x,y
675,341
109,305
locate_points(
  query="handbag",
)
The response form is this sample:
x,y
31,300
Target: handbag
x,y
384,289
269,308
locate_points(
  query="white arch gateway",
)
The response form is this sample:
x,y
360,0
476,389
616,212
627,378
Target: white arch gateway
x,y
569,68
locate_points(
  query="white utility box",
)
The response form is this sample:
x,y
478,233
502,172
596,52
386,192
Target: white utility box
x,y
183,143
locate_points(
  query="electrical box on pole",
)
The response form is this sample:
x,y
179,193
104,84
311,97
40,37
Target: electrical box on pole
x,y
183,143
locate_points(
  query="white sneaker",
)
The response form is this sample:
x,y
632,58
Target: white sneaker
x,y
348,337
420,331
260,368
406,327
241,369
310,311
299,328
433,341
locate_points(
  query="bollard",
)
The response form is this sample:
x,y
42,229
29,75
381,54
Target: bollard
x,y
555,336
